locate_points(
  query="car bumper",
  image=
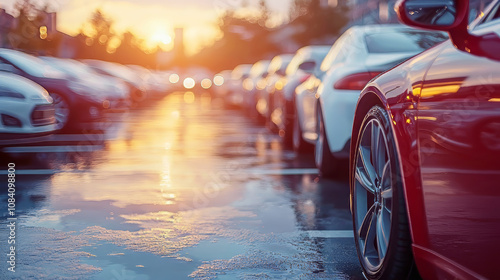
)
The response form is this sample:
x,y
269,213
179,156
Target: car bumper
x,y
338,109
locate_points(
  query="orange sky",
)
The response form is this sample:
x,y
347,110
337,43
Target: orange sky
x,y
154,20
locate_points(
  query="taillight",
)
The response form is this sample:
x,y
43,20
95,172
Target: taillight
x,y
303,79
355,81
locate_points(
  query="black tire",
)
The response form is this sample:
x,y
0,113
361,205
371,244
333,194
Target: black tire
x,y
300,146
270,109
327,164
288,125
380,258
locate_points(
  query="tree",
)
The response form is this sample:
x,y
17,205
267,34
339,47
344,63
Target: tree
x,y
264,13
320,22
29,34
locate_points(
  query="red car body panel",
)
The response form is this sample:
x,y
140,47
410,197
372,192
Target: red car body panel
x,y
445,108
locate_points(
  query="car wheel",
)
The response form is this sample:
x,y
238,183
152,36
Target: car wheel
x,y
62,110
380,221
287,120
269,115
326,163
299,144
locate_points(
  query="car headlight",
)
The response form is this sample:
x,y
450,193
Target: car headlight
x,y
44,97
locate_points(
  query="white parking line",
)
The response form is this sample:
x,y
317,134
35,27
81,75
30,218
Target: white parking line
x,y
54,149
330,233
304,171
292,171
32,172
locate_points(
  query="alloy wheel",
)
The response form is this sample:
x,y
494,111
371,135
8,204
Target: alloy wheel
x,y
373,188
62,110
318,152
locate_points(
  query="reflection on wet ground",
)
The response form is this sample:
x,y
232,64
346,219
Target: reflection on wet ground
x,y
181,189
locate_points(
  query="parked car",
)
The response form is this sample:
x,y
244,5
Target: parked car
x,y
221,83
254,82
360,54
276,72
136,84
306,62
236,91
425,158
156,85
26,110
75,103
114,90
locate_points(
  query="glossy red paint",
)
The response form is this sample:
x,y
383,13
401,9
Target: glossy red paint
x,y
445,107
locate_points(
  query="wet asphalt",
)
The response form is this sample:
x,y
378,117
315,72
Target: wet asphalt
x,y
181,188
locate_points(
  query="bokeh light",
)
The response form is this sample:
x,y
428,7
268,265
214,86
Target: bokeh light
x,y
189,96
206,83
189,83
218,80
174,78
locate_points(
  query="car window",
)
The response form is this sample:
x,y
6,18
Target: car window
x,y
402,41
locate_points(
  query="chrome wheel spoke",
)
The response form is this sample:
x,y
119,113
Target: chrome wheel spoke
x,y
364,155
363,178
387,194
380,156
365,224
374,143
61,110
382,235
385,179
389,211
369,250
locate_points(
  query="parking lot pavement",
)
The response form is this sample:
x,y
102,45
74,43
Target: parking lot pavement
x,y
181,189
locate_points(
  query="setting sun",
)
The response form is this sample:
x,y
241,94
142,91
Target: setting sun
x,y
161,38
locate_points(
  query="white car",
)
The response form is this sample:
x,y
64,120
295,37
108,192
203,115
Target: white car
x,y
26,110
306,62
359,55
156,85
266,86
138,86
235,86
254,82
221,83
114,90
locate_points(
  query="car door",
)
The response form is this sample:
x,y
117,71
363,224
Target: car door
x,y
458,126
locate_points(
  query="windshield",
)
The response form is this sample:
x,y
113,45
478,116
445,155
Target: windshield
x,y
31,65
70,68
403,41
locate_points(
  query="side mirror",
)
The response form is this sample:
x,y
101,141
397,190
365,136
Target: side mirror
x,y
444,15
441,13
451,16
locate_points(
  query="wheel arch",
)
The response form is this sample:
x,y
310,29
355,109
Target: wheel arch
x,y
370,97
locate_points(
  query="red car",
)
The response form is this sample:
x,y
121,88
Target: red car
x,y
425,158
